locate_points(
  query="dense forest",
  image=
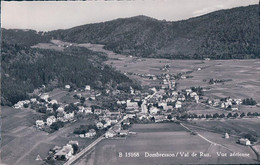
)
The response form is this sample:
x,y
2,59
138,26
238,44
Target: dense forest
x,y
224,34
25,69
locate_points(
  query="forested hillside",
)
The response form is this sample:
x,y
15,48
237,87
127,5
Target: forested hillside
x,y
24,37
25,69
224,34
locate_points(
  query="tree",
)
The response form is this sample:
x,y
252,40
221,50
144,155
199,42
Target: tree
x,y
229,115
250,137
211,81
235,115
216,115
169,117
55,106
56,125
249,101
208,116
82,100
42,109
75,148
249,114
26,105
242,115
222,115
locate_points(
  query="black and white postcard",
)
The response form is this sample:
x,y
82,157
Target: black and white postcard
x,y
130,82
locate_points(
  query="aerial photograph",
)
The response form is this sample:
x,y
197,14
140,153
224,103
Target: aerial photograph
x,y
130,82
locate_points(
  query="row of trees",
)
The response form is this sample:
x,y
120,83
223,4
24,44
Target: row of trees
x,y
216,115
249,101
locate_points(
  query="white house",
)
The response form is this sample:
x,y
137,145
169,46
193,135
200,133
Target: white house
x,y
53,102
99,125
188,91
88,110
159,118
110,133
87,88
98,111
33,100
90,133
178,104
39,123
66,152
67,86
45,96
69,116
244,141
154,110
197,98
50,120
131,105
18,105
193,94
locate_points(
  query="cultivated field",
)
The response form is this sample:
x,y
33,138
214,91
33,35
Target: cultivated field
x,y
233,126
171,139
21,142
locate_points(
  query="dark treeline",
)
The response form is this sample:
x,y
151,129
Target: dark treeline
x,y
25,69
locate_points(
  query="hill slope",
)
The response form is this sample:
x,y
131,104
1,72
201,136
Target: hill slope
x,y
224,34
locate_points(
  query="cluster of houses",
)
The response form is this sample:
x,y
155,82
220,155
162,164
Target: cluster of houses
x,y
227,103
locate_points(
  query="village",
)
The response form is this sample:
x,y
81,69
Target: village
x,y
163,103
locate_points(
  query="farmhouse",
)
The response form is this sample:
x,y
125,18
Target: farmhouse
x,y
50,120
88,110
67,86
193,94
53,102
60,110
39,123
91,133
244,141
131,105
116,128
123,132
87,88
178,104
98,111
99,125
110,133
18,105
159,118
45,96
154,110
65,153
33,100
69,116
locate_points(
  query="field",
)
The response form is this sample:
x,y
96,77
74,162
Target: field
x,y
166,139
245,74
21,142
233,126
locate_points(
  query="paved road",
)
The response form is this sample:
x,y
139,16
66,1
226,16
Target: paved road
x,y
85,150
